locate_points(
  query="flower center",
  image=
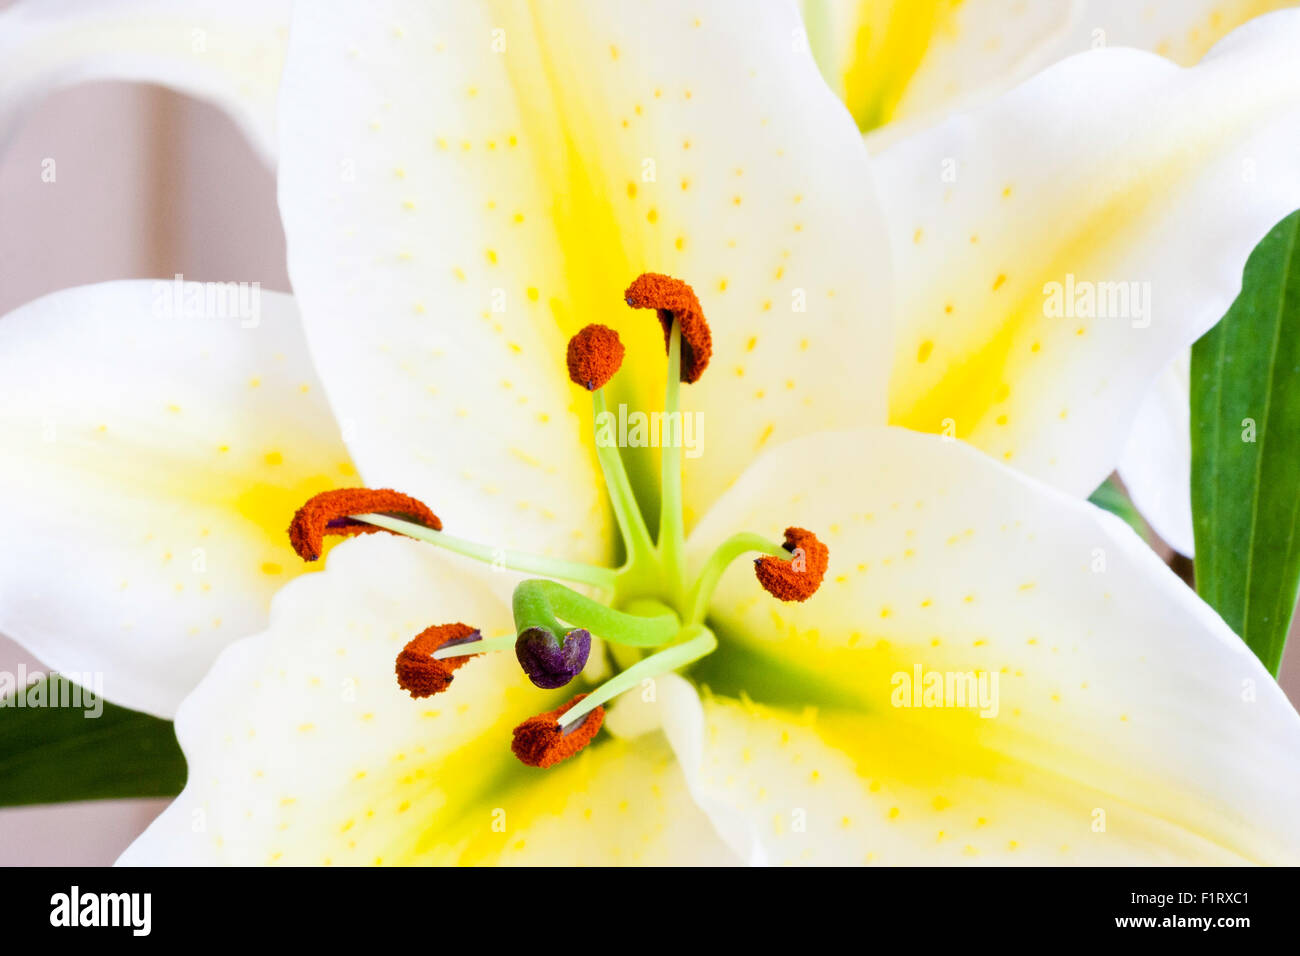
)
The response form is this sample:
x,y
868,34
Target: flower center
x,y
651,618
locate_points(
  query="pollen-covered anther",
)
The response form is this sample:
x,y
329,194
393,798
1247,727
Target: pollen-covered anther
x,y
330,513
595,354
674,299
419,672
798,578
539,741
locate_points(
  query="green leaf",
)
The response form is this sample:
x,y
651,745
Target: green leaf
x,y
1246,449
49,754
1110,496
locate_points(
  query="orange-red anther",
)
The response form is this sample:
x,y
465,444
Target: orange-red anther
x,y
798,578
423,675
539,741
674,299
330,513
595,354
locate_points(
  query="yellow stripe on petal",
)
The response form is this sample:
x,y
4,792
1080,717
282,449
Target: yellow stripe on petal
x,y
984,648
1049,269
890,40
550,154
902,63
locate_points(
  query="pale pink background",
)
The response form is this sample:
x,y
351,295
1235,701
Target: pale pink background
x,y
149,184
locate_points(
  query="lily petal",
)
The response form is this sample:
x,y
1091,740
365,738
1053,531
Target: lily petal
x,y
150,463
1157,461
1128,723
465,186
302,749
229,52
1183,32
900,63
1114,179
674,708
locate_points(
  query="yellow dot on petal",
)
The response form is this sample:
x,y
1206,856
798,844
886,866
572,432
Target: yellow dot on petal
x,y
924,351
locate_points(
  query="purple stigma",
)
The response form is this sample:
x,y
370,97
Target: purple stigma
x,y
548,663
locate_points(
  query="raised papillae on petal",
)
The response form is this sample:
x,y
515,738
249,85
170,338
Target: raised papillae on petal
x,y
419,672
672,298
595,354
330,513
539,741
798,578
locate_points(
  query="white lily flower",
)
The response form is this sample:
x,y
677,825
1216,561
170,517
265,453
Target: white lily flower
x,y
432,168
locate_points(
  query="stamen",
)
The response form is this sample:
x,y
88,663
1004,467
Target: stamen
x,y
423,675
331,513
674,299
595,354
631,523
540,742
718,562
798,578
489,645
512,560
548,662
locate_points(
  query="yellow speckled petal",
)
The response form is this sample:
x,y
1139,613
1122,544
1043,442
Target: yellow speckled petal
x,y
899,63
1183,31
466,185
302,749
1056,249
227,51
1125,722
150,463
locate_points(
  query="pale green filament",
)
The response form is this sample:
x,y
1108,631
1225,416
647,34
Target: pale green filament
x,y
698,643
504,643
631,523
539,604
522,561
672,527
728,551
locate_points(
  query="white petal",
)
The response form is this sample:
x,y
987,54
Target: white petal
x,y
1157,461
899,64
674,708
230,52
150,463
1114,175
465,186
303,750
1183,31
1117,690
